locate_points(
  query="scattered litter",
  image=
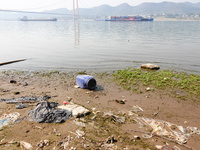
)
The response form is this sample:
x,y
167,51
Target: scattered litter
x,y
131,113
25,99
80,124
80,133
19,120
156,112
168,130
165,147
115,118
137,137
86,82
137,109
119,119
38,127
111,140
46,112
76,86
21,106
77,110
43,143
5,119
109,146
120,101
25,145
69,98
65,102
4,122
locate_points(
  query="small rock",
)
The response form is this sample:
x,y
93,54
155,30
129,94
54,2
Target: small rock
x,y
148,89
13,81
16,93
25,84
76,86
96,97
159,146
120,101
137,137
150,66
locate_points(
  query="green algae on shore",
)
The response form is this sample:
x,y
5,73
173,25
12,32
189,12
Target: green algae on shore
x,y
179,84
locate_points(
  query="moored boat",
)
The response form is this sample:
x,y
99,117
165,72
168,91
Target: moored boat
x,y
25,18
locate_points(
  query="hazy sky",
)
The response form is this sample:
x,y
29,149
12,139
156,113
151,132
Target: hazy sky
x,y
38,5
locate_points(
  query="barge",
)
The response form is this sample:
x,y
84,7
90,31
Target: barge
x,y
25,18
128,18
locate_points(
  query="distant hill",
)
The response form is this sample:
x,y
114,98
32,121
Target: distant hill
x,y
123,9
166,7
144,8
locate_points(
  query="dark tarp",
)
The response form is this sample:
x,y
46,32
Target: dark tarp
x,y
46,112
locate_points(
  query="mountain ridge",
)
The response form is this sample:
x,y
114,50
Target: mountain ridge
x,y
144,8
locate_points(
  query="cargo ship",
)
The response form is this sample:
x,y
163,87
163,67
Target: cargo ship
x,y
25,18
128,18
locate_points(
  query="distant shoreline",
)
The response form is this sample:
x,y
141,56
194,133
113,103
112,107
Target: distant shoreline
x,y
174,19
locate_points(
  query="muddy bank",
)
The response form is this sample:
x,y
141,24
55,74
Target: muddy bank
x,y
112,124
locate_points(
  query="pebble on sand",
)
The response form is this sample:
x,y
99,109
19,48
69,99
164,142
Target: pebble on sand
x,y
150,66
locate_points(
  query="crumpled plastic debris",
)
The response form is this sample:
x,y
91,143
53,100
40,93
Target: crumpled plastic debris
x,y
168,130
77,110
47,112
24,99
25,145
115,118
5,119
137,109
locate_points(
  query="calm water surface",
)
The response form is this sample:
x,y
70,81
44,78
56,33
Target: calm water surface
x,y
99,45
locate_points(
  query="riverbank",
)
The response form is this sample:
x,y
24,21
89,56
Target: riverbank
x,y
114,121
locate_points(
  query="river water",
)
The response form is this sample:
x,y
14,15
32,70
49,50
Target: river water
x,y
99,45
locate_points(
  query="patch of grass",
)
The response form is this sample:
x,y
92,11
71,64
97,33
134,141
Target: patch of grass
x,y
138,80
82,73
49,73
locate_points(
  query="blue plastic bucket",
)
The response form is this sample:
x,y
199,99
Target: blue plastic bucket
x,y
86,82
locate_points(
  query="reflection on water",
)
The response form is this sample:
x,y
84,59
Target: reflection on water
x,y
76,32
99,45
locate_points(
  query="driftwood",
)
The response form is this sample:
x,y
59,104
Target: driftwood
x,y
10,62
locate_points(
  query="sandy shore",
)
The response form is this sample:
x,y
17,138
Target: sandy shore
x,y
99,131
